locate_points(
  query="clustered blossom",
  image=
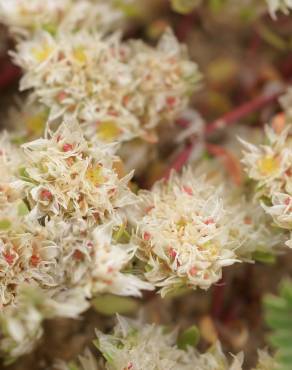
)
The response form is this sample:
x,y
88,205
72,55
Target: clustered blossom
x,y
21,324
269,165
184,233
62,218
189,228
135,346
117,90
70,226
77,66
250,227
67,175
25,17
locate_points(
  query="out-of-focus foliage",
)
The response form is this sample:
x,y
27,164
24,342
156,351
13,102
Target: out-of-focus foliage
x,y
278,311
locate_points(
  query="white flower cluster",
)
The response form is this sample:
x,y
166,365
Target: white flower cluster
x,y
184,233
62,219
25,17
21,324
189,228
134,346
270,166
137,346
68,176
117,90
279,5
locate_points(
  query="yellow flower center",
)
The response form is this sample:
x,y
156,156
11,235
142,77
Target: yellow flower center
x,y
79,55
108,130
95,176
35,124
42,54
268,165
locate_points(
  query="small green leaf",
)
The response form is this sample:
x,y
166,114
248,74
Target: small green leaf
x,y
130,10
23,174
278,320
272,38
121,235
106,355
73,366
216,5
184,6
50,28
109,305
22,209
275,303
190,337
264,257
283,338
5,224
286,292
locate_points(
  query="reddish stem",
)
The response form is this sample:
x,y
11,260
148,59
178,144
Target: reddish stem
x,y
242,111
218,299
9,73
228,119
180,160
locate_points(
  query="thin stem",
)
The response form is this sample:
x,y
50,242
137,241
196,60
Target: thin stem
x,y
9,73
228,119
243,111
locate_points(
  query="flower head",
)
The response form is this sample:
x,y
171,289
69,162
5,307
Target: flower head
x,y
117,90
135,346
24,17
69,176
184,233
269,166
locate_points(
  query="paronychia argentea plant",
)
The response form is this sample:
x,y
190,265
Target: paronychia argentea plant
x,y
73,226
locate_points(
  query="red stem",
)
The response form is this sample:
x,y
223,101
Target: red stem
x,y
180,160
9,73
242,111
228,119
218,299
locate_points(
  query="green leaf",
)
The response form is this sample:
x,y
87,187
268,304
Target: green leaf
x,y
190,337
121,235
264,257
106,355
51,28
278,320
130,10
5,224
286,292
184,6
22,209
73,366
275,303
109,305
216,5
278,316
281,339
23,174
272,38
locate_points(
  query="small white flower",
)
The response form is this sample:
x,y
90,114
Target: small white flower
x,y
24,17
270,166
117,90
134,346
69,176
184,233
